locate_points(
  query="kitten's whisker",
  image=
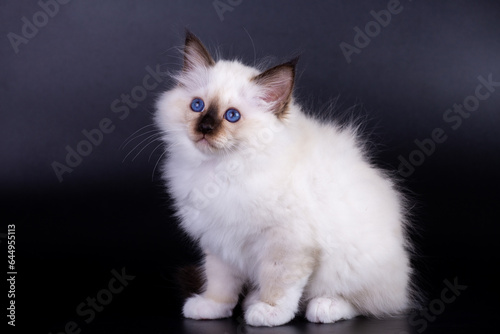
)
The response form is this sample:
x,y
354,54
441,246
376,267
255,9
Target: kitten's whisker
x,y
140,135
253,45
136,146
134,134
158,138
149,111
153,173
151,154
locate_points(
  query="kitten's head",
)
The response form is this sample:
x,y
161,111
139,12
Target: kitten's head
x,y
219,106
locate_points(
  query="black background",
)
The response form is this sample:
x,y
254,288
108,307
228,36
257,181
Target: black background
x,y
111,211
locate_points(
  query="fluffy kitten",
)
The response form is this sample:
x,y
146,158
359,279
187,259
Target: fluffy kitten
x,y
279,201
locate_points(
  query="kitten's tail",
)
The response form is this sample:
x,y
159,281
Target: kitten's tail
x,y
191,280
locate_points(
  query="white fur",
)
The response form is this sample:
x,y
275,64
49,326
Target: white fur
x,y
201,308
292,207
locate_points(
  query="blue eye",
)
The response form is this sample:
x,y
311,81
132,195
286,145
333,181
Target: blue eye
x,y
232,115
197,105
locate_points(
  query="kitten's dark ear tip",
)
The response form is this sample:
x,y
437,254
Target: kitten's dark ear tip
x,y
195,53
189,35
294,61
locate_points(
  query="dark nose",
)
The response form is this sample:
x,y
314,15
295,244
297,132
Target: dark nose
x,y
206,125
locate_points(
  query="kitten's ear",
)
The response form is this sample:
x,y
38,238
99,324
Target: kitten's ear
x,y
277,84
195,53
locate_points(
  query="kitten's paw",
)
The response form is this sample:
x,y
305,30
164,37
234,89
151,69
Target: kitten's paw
x,y
199,307
263,314
328,310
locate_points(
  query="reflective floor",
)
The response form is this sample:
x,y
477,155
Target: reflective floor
x,y
453,323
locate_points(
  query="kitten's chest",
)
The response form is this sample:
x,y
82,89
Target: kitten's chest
x,y
210,196
228,184
221,210
227,208
239,246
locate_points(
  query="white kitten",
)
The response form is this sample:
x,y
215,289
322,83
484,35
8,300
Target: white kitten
x,y
277,200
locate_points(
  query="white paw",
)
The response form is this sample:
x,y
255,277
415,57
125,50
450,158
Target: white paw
x,y
199,307
327,310
263,314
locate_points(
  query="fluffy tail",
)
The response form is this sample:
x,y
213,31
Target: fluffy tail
x,y
191,280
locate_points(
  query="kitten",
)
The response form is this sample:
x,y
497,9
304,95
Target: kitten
x,y
289,206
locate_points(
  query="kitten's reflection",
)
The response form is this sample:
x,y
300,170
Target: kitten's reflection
x,y
237,325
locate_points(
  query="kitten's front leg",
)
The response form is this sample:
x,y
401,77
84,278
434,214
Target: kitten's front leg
x,y
282,278
220,294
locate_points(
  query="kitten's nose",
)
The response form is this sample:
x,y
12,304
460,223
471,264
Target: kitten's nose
x,y
206,125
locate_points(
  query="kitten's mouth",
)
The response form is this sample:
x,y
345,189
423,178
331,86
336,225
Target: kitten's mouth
x,y
204,143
